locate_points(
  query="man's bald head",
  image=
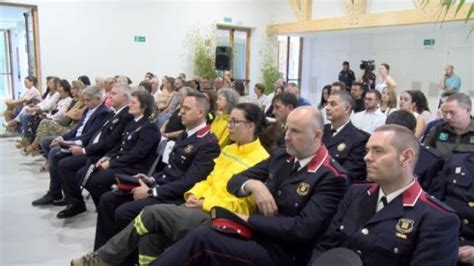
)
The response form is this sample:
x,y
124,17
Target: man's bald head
x,y
304,131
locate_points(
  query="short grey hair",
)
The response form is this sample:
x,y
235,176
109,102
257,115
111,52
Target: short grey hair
x,y
463,100
185,91
231,96
93,92
345,97
127,90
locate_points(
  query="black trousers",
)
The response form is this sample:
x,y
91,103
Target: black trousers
x,y
115,212
205,246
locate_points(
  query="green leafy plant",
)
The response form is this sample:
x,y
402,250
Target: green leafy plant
x,y
203,51
442,8
269,63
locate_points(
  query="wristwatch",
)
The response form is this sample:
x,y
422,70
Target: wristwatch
x,y
152,193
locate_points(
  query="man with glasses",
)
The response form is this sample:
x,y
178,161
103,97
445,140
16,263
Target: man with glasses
x,y
371,118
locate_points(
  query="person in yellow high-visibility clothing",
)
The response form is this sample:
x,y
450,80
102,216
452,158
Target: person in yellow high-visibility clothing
x,y
159,226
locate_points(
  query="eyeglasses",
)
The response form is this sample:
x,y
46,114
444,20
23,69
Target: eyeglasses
x,y
233,122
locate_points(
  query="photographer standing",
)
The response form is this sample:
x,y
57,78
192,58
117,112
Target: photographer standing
x,y
346,75
386,81
368,77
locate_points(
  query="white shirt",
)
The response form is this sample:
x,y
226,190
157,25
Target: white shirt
x,y
88,115
369,121
391,196
62,106
49,103
340,128
194,130
304,162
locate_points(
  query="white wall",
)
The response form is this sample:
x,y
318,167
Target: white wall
x,y
412,64
96,38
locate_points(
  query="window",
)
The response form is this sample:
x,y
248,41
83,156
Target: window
x,y
289,58
238,38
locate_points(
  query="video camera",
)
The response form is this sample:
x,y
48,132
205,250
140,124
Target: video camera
x,y
368,79
368,65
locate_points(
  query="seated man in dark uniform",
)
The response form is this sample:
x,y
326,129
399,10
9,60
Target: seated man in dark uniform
x,y
457,191
456,133
430,161
191,161
296,191
105,139
393,221
345,142
91,120
135,153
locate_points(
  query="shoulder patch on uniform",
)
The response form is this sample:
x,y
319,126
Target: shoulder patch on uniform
x,y
435,203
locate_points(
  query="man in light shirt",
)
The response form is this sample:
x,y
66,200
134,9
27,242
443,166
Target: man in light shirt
x,y
371,118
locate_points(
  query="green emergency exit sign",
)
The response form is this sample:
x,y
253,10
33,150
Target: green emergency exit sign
x,y
138,38
428,42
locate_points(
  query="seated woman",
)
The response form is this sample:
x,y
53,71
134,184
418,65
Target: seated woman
x,y
59,115
27,112
226,100
412,101
169,103
164,224
136,152
388,104
30,97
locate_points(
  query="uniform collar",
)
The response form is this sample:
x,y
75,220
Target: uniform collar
x,y
410,194
316,160
248,147
340,128
198,130
394,194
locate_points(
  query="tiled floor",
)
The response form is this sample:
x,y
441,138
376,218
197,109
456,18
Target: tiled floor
x,y
31,235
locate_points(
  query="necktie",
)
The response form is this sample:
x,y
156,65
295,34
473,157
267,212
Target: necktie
x,y
296,166
384,201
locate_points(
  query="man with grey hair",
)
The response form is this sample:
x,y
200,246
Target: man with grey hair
x,y
106,138
393,221
345,142
296,190
456,133
80,135
218,83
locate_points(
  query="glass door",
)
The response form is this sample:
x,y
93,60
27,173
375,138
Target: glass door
x,y
6,89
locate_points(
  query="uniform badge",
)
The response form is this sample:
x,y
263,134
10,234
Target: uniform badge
x,y
443,136
115,120
405,226
303,189
471,204
188,148
341,147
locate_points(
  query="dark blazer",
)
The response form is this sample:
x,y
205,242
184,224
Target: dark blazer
x,y
110,134
137,150
413,229
91,127
457,191
191,161
348,149
307,200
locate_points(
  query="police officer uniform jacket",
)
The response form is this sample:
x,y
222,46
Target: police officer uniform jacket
x,y
347,147
413,229
137,150
109,135
307,200
91,127
444,138
191,160
458,191
429,165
